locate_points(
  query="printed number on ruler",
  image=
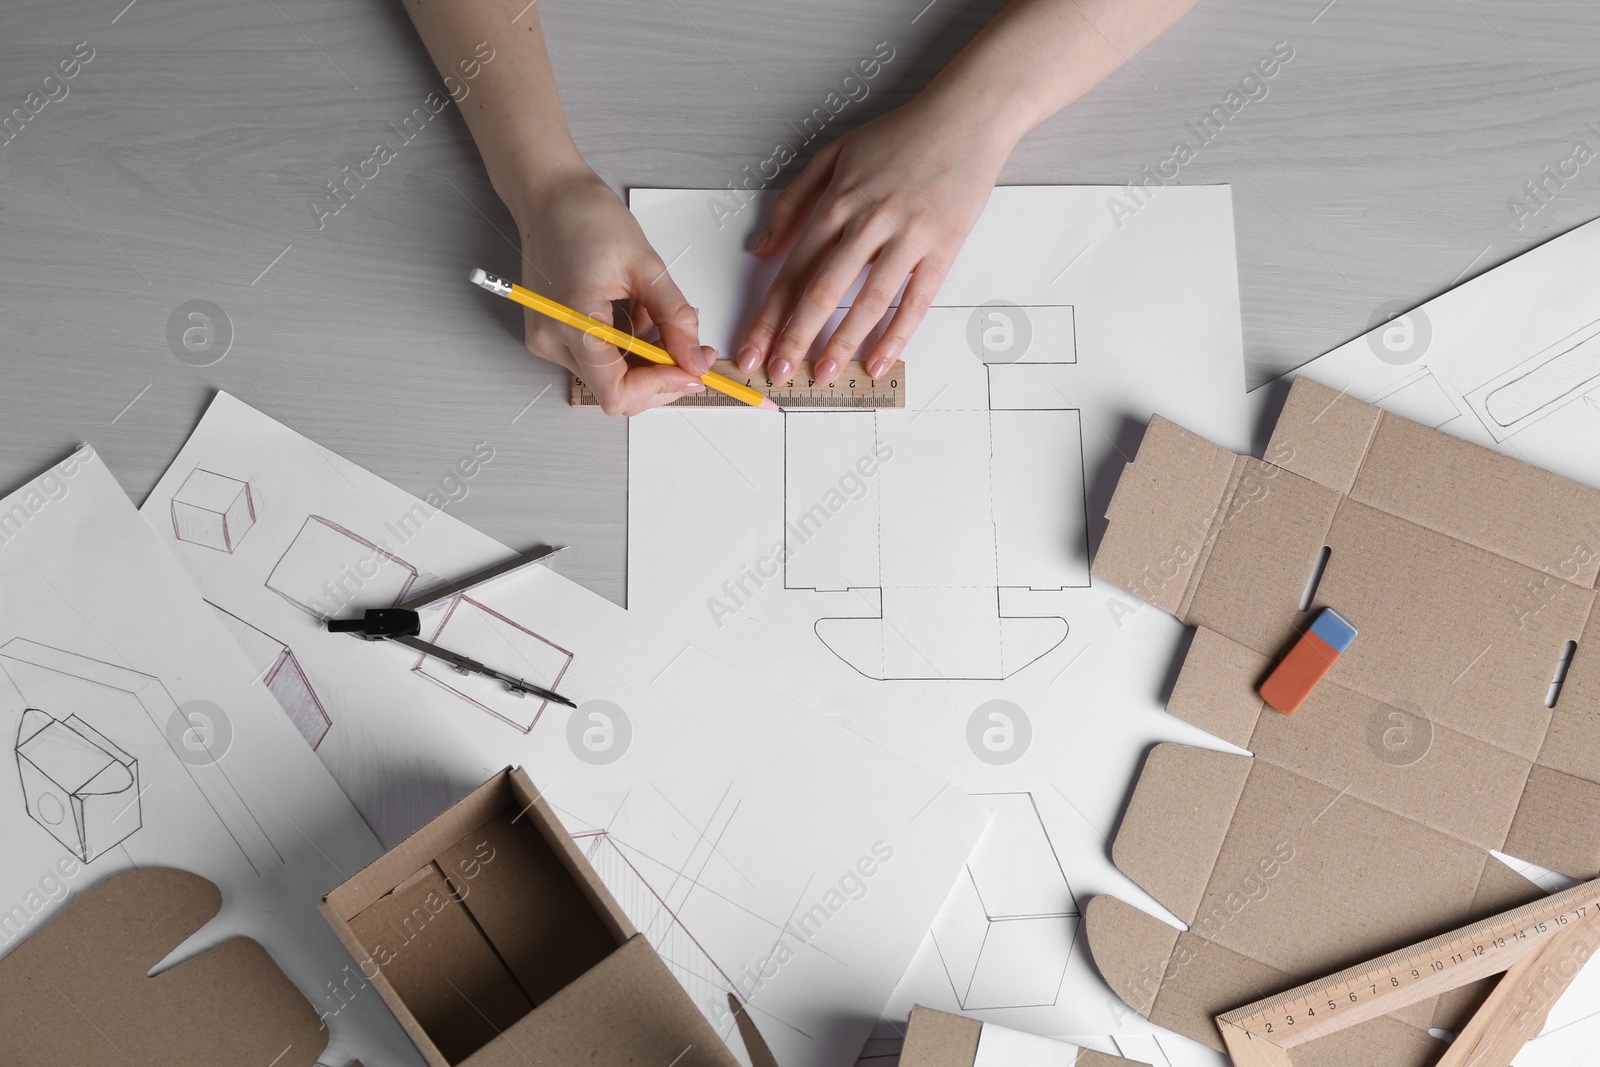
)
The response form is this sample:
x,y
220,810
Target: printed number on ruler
x,y
851,389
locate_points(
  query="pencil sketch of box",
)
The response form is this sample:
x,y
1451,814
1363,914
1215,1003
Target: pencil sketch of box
x,y
213,510
279,670
328,570
470,629
77,783
49,677
1005,933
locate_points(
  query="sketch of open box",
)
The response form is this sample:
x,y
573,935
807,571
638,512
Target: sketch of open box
x,y
131,703
76,783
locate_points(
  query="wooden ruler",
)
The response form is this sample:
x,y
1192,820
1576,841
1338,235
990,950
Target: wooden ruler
x,y
851,389
1541,947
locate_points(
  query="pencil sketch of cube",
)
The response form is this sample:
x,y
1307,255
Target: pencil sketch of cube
x,y
279,670
328,570
471,629
213,510
1006,931
76,783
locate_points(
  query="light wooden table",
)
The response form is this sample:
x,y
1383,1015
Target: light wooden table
x,y
182,163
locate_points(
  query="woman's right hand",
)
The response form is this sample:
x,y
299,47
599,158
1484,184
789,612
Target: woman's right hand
x,y
582,247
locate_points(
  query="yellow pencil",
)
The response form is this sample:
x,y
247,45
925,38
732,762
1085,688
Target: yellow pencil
x,y
623,340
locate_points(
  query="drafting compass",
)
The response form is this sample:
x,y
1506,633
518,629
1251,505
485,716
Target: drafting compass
x,y
403,625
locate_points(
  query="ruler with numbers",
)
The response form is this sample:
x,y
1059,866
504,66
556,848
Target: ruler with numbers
x,y
850,390
1540,947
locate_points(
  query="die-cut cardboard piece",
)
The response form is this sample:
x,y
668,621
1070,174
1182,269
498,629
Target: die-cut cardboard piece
x,y
1365,820
77,991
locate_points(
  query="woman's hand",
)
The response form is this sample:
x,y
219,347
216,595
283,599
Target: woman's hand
x,y
899,195
582,247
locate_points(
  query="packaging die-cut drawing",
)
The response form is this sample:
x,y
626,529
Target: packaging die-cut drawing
x,y
973,490
1365,820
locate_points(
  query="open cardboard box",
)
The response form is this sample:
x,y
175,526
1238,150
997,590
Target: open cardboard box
x,y
493,940
1365,820
940,1039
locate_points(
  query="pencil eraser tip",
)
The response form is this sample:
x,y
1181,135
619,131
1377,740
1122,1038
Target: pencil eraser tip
x,y
479,276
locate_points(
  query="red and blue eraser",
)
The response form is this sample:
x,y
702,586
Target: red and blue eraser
x,y
1292,680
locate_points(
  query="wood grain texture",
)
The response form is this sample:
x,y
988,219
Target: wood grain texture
x,y
186,154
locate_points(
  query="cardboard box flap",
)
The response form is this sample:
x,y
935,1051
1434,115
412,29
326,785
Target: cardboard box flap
x,y
405,859
627,1010
1162,514
1175,823
528,905
1216,688
1131,949
1558,823
1483,498
91,962
1322,434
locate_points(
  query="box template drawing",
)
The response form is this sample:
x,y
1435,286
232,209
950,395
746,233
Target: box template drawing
x,y
940,1039
1364,821
77,783
487,932
213,510
78,992
993,464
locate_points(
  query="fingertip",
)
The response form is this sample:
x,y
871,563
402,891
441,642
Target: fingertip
x,y
765,238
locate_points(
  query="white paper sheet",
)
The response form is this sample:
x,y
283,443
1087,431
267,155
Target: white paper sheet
x,y
1000,1047
762,849
936,593
150,742
1511,361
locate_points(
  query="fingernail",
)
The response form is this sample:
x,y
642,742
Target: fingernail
x,y
780,369
826,369
749,356
877,367
761,242
694,387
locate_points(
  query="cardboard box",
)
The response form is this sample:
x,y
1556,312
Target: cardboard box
x,y
940,1039
1364,821
78,991
493,940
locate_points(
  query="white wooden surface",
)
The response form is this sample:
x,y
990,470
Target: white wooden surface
x,y
182,162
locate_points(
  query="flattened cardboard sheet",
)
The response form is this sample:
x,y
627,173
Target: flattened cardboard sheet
x,y
1365,820
77,991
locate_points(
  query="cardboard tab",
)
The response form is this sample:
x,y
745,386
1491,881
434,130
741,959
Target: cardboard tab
x,y
940,1039
77,991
